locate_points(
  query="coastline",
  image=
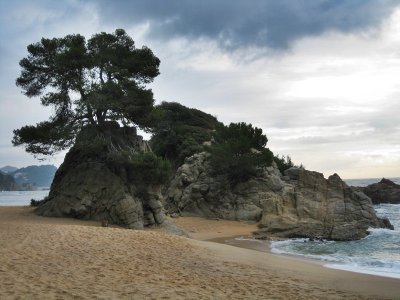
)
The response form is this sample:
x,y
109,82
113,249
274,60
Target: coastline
x,y
224,233
346,279
67,258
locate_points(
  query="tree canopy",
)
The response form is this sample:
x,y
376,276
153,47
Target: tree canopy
x,y
239,151
86,82
180,131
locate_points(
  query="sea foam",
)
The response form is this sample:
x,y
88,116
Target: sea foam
x,y
376,254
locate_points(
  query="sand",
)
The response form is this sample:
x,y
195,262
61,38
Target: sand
x,y
56,258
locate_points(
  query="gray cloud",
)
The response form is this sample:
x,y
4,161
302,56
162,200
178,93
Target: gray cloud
x,y
329,102
238,23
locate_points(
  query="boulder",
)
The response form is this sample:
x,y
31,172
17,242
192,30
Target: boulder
x,y
300,204
385,191
90,185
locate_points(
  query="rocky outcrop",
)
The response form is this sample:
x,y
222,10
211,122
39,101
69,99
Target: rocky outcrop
x,y
312,206
300,204
91,185
385,191
195,190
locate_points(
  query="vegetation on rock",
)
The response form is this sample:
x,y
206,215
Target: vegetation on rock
x,y
121,149
284,163
93,83
179,131
142,168
87,83
239,151
98,91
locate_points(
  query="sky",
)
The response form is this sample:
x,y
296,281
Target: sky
x,y
320,77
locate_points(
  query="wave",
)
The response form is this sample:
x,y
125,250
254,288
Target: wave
x,y
376,254
384,269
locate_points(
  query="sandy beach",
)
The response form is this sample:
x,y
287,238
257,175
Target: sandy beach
x,y
57,258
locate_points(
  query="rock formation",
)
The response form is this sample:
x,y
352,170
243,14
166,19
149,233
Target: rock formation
x,y
312,206
90,185
300,204
195,190
93,183
385,191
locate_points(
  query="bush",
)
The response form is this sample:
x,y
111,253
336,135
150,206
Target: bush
x,y
179,131
142,168
239,151
36,203
285,163
150,168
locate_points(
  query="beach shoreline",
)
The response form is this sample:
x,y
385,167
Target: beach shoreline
x,y
48,258
245,239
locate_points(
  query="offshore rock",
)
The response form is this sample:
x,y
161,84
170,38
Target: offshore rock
x,y
87,186
300,204
385,191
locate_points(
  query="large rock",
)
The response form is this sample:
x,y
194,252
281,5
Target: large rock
x,y
385,191
88,186
312,206
300,204
196,191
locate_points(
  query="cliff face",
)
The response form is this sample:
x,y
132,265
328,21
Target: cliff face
x,y
87,186
300,204
385,191
196,191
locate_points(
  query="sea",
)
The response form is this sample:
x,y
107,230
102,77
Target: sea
x,y
376,254
21,198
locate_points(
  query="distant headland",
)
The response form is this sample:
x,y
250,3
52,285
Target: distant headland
x,y
26,179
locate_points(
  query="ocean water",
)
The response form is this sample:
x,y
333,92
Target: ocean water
x,y
368,181
18,198
377,254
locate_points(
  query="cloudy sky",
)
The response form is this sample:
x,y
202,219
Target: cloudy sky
x,y
320,77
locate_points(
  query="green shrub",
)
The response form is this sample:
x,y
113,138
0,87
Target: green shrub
x,y
179,131
150,168
239,151
142,168
285,163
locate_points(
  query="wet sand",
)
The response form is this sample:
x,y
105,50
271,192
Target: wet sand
x,y
57,258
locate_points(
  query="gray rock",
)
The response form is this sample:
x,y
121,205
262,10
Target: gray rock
x,y
171,228
319,208
86,186
195,191
300,204
385,191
